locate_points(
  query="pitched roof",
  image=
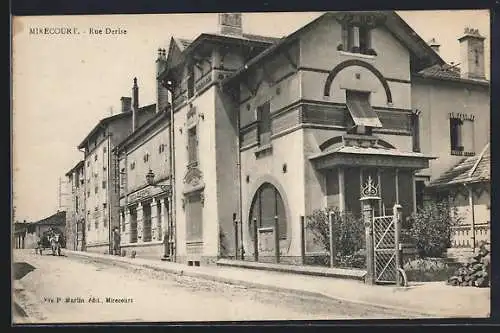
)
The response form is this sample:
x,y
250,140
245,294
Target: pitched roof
x,y
105,121
185,46
469,170
395,24
449,73
77,166
144,129
58,218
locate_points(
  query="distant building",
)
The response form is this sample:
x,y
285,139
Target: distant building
x,y
75,212
27,234
101,169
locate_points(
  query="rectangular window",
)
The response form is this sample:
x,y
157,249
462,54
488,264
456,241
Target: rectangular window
x,y
146,158
95,157
104,184
88,163
123,220
76,204
462,136
96,189
192,145
264,119
132,166
357,39
415,129
104,150
194,214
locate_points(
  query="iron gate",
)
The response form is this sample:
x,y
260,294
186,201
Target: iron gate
x,y
384,241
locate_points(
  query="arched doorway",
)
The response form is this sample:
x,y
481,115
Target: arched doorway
x,y
266,204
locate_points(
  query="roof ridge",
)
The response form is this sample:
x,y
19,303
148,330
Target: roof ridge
x,y
473,169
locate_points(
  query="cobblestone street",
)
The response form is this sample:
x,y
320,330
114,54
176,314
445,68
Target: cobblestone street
x,y
68,289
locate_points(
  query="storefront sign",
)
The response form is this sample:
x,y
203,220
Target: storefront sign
x,y
139,195
461,116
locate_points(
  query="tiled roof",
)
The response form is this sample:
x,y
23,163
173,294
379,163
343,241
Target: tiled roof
x,y
445,71
183,42
368,151
469,170
58,218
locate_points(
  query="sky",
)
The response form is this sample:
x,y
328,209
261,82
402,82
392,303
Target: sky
x,y
64,84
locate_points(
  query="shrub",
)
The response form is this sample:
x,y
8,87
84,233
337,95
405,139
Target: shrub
x,y
431,227
348,232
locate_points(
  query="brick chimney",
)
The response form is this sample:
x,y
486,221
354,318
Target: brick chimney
x,y
434,45
161,91
126,104
472,54
135,104
230,24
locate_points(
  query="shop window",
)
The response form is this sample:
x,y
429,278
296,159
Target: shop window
x,y
192,146
264,123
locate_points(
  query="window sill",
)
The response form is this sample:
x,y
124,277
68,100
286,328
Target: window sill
x,y
264,150
359,55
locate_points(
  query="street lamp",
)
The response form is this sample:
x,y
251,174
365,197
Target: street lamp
x,y
150,176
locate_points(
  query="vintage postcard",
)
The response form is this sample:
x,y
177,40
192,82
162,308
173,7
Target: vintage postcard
x,y
251,166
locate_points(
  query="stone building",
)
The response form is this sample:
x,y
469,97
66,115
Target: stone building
x,y
101,169
145,189
264,130
75,210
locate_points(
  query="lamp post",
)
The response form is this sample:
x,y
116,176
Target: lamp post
x,y
150,177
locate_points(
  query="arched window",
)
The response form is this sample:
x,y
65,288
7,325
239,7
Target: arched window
x,y
266,204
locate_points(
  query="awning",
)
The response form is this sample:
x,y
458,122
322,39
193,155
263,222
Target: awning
x,y
360,109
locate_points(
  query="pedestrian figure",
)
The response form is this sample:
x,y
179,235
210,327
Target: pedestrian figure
x,y
116,241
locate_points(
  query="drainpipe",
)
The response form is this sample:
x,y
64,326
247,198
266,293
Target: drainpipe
x,y
238,166
172,211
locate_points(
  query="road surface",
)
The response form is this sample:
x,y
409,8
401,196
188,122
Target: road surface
x,y
70,289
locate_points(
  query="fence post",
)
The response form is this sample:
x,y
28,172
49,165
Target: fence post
x,y
276,240
397,212
332,243
302,241
370,255
235,222
255,241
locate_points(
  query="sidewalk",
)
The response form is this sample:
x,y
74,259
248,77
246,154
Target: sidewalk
x,y
422,299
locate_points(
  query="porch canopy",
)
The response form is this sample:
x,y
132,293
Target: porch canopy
x,y
351,161
369,157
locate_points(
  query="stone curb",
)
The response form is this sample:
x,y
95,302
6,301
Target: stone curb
x,y
116,260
